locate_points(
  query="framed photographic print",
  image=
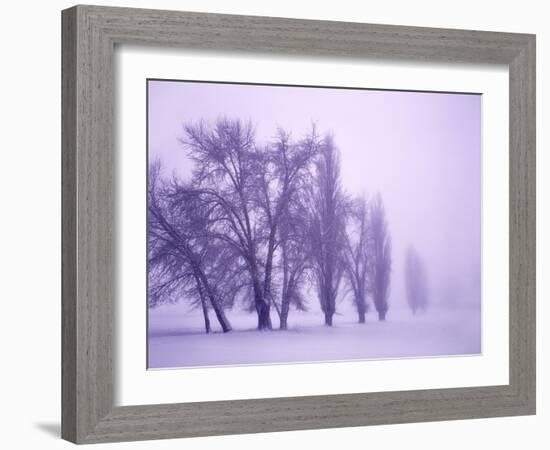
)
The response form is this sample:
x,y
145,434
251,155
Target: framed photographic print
x,y
335,219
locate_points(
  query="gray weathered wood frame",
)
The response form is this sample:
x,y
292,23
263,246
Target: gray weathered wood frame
x,y
89,36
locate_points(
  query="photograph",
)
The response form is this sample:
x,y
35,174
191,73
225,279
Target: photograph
x,y
295,224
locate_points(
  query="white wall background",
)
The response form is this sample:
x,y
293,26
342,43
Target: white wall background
x,y
30,223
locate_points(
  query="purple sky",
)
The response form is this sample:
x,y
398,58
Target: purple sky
x,y
421,151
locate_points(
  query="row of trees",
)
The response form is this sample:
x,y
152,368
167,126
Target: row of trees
x,y
263,225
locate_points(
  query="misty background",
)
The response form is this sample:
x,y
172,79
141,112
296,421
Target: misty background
x,y
421,151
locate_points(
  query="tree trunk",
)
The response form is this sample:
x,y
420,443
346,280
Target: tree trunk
x,y
206,319
277,309
220,314
285,298
381,316
218,310
328,306
264,319
284,321
204,308
285,307
262,307
361,304
269,267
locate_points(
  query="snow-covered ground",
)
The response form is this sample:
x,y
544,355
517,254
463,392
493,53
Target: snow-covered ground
x,y
177,338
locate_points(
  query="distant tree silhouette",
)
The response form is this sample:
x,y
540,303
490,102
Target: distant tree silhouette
x,y
382,261
415,281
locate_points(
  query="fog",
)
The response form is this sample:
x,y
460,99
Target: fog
x,y
421,151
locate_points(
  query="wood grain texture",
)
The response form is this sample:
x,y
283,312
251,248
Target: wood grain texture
x,y
89,36
68,226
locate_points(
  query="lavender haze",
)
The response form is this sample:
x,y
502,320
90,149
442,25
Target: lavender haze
x,y
418,154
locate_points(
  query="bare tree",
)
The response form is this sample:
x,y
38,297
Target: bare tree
x,y
294,259
180,251
283,177
358,258
254,221
171,280
246,189
415,281
225,178
381,253
327,233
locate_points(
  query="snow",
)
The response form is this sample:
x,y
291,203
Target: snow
x,y
177,337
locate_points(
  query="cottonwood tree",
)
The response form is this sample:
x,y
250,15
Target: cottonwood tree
x,y
294,258
416,285
225,178
357,254
170,278
283,176
181,255
245,188
327,229
380,269
254,221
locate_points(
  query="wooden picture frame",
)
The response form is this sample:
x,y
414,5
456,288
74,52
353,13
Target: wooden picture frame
x,y
90,34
